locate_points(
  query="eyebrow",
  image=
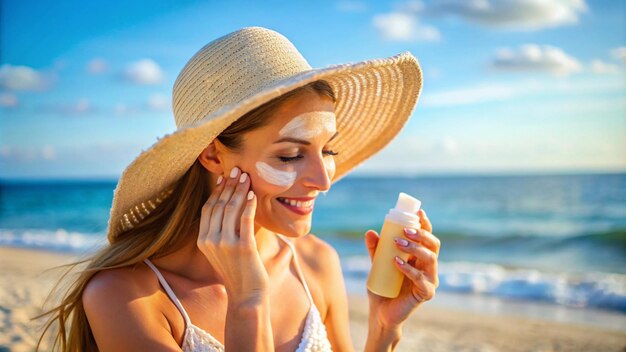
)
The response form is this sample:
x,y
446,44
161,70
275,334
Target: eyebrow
x,y
301,141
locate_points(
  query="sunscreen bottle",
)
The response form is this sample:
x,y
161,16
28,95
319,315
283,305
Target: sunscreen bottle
x,y
385,279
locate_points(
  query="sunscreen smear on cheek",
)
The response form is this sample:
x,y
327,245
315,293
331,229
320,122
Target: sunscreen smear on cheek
x,y
385,279
274,176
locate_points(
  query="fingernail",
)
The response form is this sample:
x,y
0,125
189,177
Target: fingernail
x,y
401,241
243,177
410,231
233,172
219,180
250,195
399,261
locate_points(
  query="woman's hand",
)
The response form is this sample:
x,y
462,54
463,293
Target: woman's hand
x,y
226,238
420,281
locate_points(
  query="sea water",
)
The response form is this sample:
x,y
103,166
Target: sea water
x,y
555,239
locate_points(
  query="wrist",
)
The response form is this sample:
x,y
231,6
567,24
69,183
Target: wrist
x,y
382,338
249,304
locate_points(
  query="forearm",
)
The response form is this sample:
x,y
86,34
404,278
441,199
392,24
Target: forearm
x,y
381,339
248,328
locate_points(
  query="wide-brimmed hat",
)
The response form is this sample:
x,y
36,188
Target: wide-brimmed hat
x,y
241,71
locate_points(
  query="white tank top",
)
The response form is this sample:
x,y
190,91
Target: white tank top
x,y
195,339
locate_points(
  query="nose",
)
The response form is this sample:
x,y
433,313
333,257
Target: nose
x,y
317,175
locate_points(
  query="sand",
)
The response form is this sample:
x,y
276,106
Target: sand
x,y
24,286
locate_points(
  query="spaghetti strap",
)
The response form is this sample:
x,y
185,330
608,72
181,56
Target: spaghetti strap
x,y
298,270
169,291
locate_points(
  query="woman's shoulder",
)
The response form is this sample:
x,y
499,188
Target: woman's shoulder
x,y
123,303
318,255
321,263
120,285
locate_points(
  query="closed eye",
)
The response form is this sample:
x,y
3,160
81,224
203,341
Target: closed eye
x,y
288,159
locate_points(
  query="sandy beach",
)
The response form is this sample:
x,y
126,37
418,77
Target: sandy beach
x,y
24,285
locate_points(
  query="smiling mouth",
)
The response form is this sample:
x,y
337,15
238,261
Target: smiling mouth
x,y
297,206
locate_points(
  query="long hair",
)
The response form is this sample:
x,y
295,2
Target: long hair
x,y
161,233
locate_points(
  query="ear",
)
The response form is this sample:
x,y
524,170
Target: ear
x,y
211,158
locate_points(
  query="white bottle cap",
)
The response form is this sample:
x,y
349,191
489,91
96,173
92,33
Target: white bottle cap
x,y
405,211
408,204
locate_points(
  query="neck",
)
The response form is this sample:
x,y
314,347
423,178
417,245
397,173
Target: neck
x,y
266,243
190,259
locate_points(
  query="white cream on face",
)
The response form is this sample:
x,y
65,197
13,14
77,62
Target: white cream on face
x,y
304,126
309,125
274,176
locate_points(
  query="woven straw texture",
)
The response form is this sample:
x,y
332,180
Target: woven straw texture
x,y
244,69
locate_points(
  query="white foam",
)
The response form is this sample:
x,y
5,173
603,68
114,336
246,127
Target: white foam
x,y
591,289
59,239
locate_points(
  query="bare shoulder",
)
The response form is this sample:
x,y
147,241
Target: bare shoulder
x,y
120,284
121,304
318,254
119,288
322,261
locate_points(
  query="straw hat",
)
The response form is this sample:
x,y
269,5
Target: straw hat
x,y
244,69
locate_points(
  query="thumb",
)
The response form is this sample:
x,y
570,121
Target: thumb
x,y
371,242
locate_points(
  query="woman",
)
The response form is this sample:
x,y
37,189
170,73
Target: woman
x,y
209,230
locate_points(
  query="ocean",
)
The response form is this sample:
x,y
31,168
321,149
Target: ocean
x,y
556,239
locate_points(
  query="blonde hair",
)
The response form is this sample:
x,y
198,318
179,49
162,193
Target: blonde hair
x,y
159,234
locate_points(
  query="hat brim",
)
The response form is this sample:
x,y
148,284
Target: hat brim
x,y
375,99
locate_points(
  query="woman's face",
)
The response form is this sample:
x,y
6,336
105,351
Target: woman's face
x,y
289,160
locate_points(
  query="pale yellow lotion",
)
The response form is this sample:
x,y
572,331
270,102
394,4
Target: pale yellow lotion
x,y
385,279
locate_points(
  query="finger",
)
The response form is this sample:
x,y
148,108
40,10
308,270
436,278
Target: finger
x,y
234,209
422,284
247,222
371,241
217,216
424,221
424,237
426,260
207,209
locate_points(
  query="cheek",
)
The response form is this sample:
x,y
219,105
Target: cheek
x,y
329,162
273,177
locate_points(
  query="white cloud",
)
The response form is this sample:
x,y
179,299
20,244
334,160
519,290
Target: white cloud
x,y
48,152
97,66
533,57
619,53
511,14
155,102
601,67
21,78
494,92
397,26
144,71
81,107
433,73
469,95
411,6
158,102
122,109
351,6
450,145
8,100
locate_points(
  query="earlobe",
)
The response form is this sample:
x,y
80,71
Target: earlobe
x,y
209,158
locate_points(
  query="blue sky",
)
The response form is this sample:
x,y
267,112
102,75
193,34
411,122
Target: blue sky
x,y
510,86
